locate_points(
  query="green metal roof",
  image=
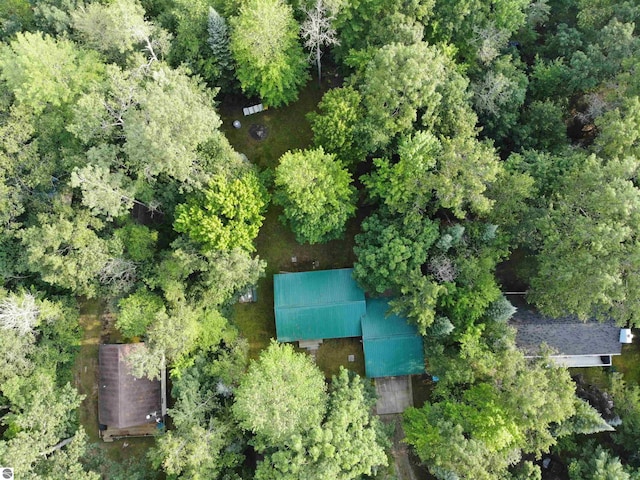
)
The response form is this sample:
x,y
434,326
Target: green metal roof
x,y
318,304
392,347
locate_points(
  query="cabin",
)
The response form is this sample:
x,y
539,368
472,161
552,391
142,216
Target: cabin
x,y
127,406
314,306
573,342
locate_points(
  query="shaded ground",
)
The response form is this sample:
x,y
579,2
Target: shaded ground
x,y
403,467
334,353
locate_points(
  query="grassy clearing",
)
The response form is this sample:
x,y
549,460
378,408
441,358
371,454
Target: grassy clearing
x,y
629,362
287,127
334,354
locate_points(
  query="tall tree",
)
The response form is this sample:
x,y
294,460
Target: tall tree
x,y
205,442
390,249
118,28
346,446
282,395
588,258
68,252
431,174
487,413
227,214
336,127
218,41
264,43
316,193
41,70
318,32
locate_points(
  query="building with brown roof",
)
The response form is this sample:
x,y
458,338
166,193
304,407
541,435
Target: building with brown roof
x,y
125,401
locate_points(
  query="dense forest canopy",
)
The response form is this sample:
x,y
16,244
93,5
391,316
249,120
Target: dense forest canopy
x,y
456,135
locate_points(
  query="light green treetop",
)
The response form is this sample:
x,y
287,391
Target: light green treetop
x,y
316,193
265,45
41,70
282,395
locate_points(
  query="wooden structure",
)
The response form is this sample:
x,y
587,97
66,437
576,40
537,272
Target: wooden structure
x,y
127,405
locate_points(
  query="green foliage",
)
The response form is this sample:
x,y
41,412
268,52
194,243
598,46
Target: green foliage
x,y
67,252
619,131
596,465
336,126
432,174
54,16
542,127
419,301
139,241
482,418
588,249
282,395
227,215
473,25
41,413
226,275
270,62
137,312
501,310
346,446
368,24
40,70
388,250
586,420
205,442
498,97
219,43
15,16
115,29
397,82
627,405
103,192
173,117
191,46
316,194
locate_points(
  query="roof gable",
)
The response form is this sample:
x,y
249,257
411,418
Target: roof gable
x,y
392,346
318,304
568,336
124,400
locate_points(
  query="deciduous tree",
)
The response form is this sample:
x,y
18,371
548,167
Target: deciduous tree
x,y
227,214
282,395
316,193
269,59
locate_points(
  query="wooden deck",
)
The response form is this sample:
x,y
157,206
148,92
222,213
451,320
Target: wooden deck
x,y
146,430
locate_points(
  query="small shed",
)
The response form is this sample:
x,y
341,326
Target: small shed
x,y
392,346
123,400
574,343
318,305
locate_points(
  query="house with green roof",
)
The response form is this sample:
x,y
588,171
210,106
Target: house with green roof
x,y
329,304
317,305
392,346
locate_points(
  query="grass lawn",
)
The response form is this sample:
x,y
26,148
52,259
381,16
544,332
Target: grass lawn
x,y
288,129
334,354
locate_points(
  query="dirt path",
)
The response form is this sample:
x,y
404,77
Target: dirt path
x,y
403,468
86,368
